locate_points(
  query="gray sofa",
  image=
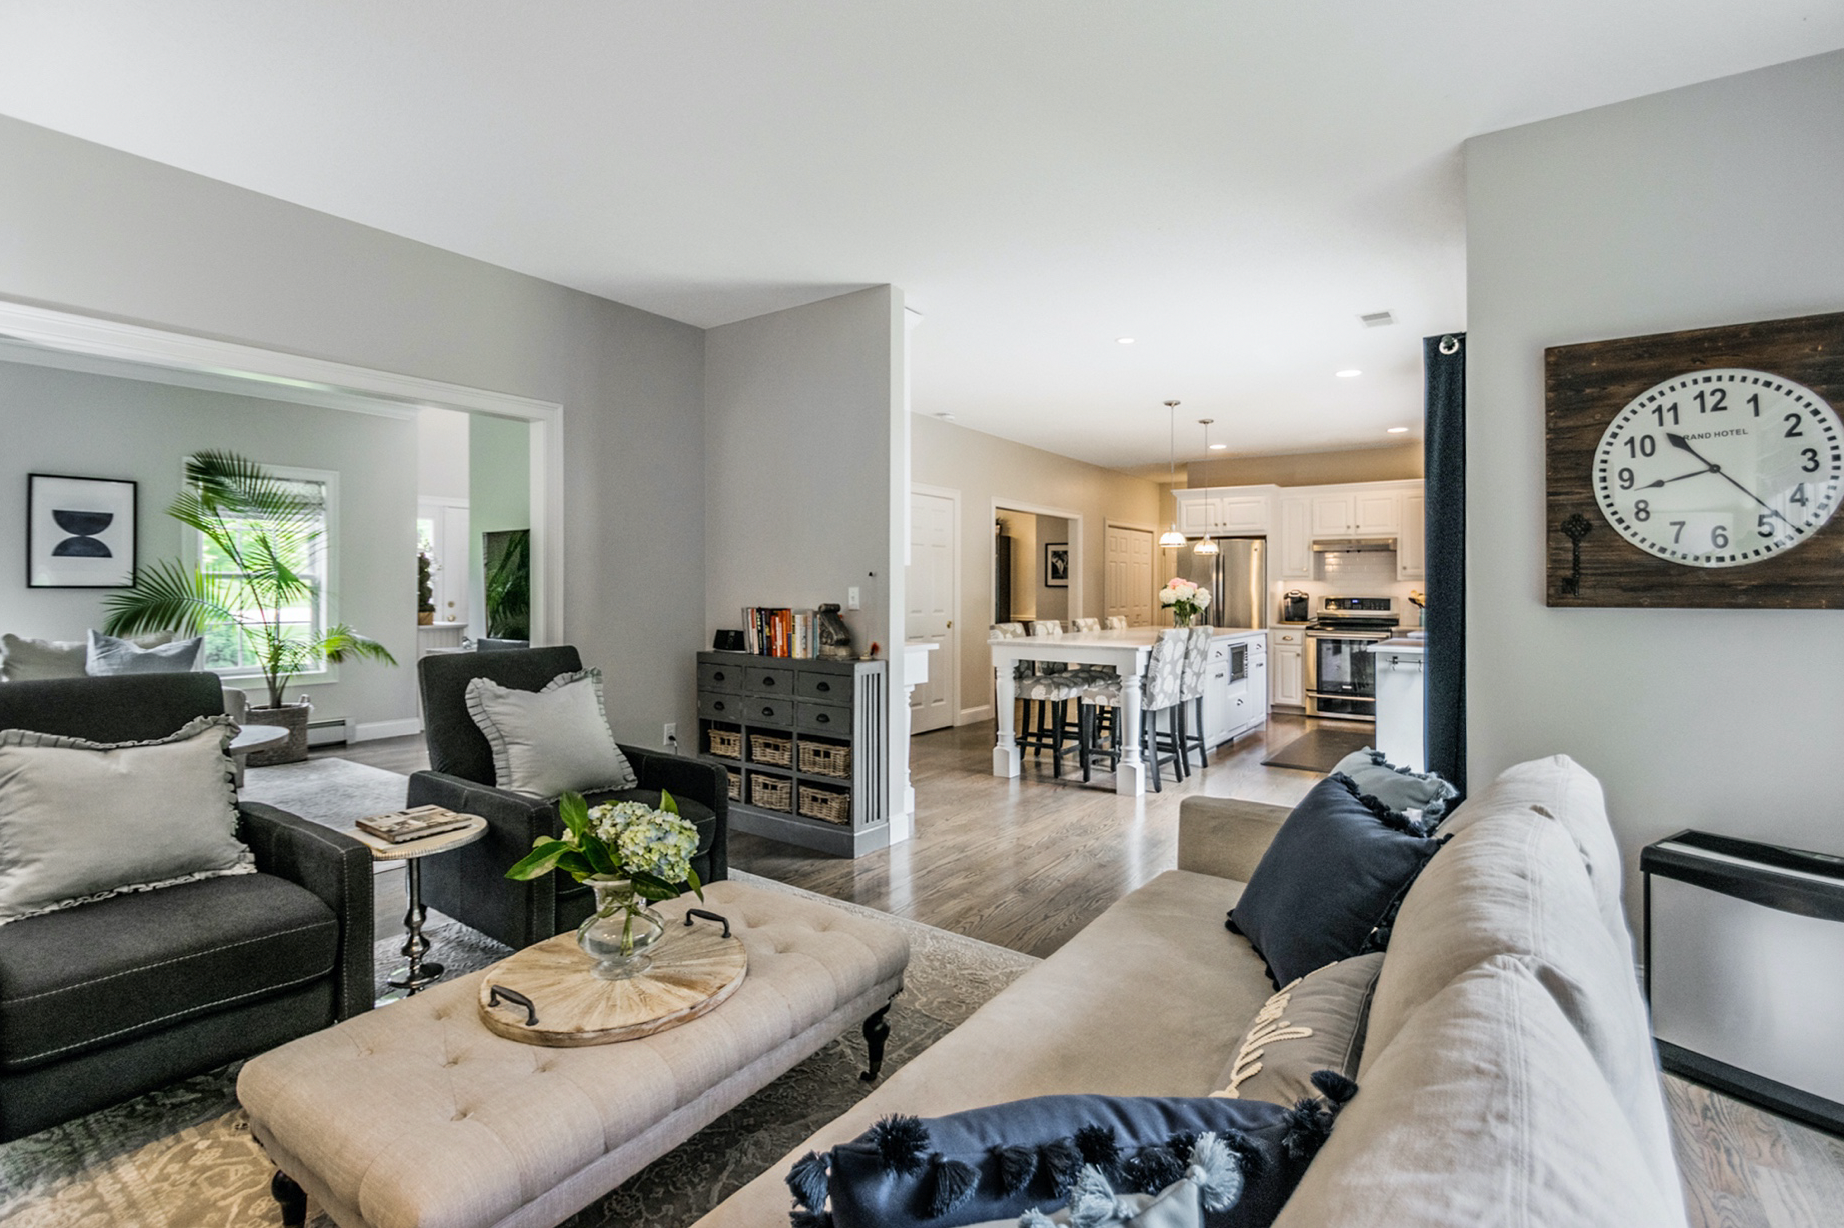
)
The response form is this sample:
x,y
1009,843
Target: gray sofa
x,y
1508,1074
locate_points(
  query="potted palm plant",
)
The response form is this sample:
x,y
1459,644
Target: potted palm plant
x,y
260,534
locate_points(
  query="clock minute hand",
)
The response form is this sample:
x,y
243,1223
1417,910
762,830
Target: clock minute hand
x,y
1697,473
1678,441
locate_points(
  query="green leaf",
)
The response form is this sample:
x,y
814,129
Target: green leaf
x,y
691,877
167,597
651,888
342,642
574,811
542,859
599,856
666,803
575,865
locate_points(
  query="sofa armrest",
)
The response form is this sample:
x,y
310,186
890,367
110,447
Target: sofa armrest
x,y
697,780
1225,837
470,883
336,868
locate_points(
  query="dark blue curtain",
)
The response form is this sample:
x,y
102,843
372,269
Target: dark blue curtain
x,y
1444,361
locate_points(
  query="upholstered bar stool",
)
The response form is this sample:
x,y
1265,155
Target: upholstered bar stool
x,y
1191,726
1117,622
1161,691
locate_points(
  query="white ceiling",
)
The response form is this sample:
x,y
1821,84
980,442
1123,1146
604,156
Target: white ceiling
x,y
1231,182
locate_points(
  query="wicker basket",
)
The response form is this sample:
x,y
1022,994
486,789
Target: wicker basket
x,y
826,805
771,793
826,759
776,752
736,785
727,743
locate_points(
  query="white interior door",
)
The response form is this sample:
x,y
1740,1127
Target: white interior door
x,y
444,522
933,561
1128,560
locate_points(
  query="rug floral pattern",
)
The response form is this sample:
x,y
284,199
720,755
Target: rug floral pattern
x,y
183,1157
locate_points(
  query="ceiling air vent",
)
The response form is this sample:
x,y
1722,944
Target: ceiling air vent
x,y
1378,319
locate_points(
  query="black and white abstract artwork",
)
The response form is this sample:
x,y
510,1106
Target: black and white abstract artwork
x,y
1056,564
80,532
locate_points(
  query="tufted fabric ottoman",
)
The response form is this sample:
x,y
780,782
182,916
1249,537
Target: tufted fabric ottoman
x,y
416,1116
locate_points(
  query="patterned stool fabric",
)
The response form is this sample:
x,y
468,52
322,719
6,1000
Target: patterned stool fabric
x,y
1117,622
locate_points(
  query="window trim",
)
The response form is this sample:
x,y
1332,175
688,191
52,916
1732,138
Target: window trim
x,y
251,678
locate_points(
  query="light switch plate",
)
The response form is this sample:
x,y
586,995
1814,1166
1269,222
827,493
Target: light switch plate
x,y
851,597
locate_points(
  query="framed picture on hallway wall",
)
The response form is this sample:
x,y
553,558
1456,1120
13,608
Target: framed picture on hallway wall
x,y
80,532
1056,564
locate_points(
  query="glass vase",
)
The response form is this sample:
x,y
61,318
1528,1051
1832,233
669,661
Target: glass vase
x,y
620,931
1181,620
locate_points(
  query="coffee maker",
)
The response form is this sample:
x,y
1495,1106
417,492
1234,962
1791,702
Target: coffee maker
x,y
1294,607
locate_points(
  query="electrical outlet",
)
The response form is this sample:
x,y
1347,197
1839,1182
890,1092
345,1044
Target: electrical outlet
x,y
851,597
671,736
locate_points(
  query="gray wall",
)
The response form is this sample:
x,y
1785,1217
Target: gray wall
x,y
988,472
90,229
90,425
1710,205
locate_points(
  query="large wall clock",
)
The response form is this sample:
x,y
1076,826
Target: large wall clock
x,y
1698,468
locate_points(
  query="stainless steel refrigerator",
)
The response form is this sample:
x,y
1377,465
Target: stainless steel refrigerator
x,y
1237,577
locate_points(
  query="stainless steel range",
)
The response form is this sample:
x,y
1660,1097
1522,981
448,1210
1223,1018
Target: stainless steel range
x,y
1341,672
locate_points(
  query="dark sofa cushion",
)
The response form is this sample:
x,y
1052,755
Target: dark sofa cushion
x,y
120,708
1328,887
101,973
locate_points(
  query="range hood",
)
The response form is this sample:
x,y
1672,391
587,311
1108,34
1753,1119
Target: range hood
x,y
1355,545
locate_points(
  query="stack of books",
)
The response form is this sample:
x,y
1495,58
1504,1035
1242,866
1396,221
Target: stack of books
x,y
402,826
771,632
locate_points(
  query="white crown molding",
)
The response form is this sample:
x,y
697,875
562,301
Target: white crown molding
x,y
81,342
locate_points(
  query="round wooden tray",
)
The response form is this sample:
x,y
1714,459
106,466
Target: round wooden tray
x,y
694,970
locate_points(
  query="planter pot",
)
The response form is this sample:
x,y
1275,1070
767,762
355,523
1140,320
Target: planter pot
x,y
425,618
292,717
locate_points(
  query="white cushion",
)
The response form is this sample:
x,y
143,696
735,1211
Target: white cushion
x,y
108,655
82,821
1486,1109
553,741
28,660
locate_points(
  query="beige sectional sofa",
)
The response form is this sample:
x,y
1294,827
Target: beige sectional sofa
x,y
1507,1075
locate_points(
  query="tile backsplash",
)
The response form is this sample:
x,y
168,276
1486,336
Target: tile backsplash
x,y
1355,571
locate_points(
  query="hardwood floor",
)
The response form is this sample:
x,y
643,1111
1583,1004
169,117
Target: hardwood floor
x,y
1026,863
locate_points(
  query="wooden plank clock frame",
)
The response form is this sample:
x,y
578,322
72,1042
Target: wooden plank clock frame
x,y
1788,556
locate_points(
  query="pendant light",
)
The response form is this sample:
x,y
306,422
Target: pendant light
x,y
1206,544
1171,539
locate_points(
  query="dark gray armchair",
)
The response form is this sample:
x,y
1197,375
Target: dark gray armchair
x,y
470,883
103,1001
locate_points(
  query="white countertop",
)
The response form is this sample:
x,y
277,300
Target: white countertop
x,y
1402,646
1143,637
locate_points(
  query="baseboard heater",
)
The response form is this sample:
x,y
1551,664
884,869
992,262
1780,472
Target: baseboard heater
x,y
326,733
1744,952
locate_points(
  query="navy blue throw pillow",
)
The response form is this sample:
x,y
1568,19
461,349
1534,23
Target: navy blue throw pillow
x,y
998,1162
1329,885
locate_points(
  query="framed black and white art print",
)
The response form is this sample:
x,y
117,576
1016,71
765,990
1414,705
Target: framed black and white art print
x,y
1056,564
80,532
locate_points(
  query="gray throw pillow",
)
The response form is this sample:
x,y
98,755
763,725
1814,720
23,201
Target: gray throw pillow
x,y
1398,787
1314,1023
28,660
552,741
108,655
82,821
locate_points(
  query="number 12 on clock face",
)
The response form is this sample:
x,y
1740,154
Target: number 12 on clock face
x,y
1720,468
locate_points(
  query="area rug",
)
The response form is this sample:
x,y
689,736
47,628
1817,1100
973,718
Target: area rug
x,y
183,1157
1320,750
336,792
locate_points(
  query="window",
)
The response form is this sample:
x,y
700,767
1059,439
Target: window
x,y
227,650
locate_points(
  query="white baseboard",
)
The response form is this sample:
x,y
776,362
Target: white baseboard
x,y
371,731
973,716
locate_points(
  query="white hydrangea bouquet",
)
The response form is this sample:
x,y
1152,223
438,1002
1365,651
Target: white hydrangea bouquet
x,y
630,854
1184,599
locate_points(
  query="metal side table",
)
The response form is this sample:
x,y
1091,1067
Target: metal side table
x,y
417,973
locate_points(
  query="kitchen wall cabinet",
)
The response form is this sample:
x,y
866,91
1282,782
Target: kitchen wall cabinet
x,y
1412,542
1357,513
1202,513
1294,555
1288,667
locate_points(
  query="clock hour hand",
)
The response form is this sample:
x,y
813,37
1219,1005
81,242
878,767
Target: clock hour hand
x,y
1679,442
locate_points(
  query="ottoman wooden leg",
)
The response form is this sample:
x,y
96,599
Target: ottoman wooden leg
x,y
876,1033
292,1197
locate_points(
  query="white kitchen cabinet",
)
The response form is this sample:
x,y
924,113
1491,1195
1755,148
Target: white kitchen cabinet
x,y
1334,515
1296,542
1288,666
1412,542
1242,514
1401,705
1197,513
1378,513
1216,695
1236,510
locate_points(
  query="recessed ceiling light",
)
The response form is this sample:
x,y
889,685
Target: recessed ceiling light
x,y
1398,430
1124,340
1218,447
1348,373
945,416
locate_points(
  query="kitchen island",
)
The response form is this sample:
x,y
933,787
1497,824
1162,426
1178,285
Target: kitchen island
x,y
1128,652
1401,707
